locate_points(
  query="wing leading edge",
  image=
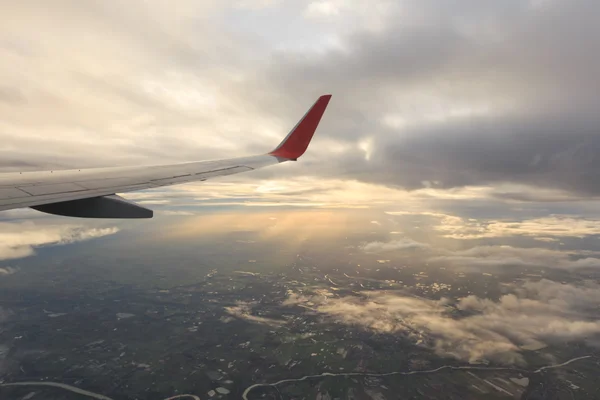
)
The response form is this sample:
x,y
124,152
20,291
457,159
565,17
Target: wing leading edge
x,y
91,193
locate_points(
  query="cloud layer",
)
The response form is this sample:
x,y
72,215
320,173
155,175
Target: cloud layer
x,y
243,310
473,329
19,240
401,244
503,256
425,94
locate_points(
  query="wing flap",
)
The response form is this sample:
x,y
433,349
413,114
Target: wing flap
x,y
104,183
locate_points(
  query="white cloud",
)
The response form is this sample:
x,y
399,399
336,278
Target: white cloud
x,y
154,202
175,212
536,313
256,4
546,228
498,256
323,8
20,239
8,271
552,226
300,191
400,244
150,83
243,310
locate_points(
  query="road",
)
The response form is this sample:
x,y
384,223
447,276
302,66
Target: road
x,y
431,371
87,393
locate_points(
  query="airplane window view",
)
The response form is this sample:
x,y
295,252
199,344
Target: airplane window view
x,y
311,199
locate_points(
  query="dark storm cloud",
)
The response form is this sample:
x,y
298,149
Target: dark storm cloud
x,y
553,152
532,66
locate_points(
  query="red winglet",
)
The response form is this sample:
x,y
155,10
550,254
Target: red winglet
x,y
296,142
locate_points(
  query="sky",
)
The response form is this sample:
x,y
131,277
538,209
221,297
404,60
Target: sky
x,y
427,94
466,126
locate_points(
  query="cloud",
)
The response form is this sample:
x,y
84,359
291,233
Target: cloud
x,y
143,71
472,328
5,314
294,192
255,4
243,310
154,202
471,86
546,228
323,8
551,226
176,212
475,94
498,256
400,244
8,271
19,240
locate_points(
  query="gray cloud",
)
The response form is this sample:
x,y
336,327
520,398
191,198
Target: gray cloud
x,y
476,94
554,153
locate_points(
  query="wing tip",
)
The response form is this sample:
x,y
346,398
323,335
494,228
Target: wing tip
x,y
297,141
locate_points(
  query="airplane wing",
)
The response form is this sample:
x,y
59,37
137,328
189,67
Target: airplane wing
x,y
91,193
